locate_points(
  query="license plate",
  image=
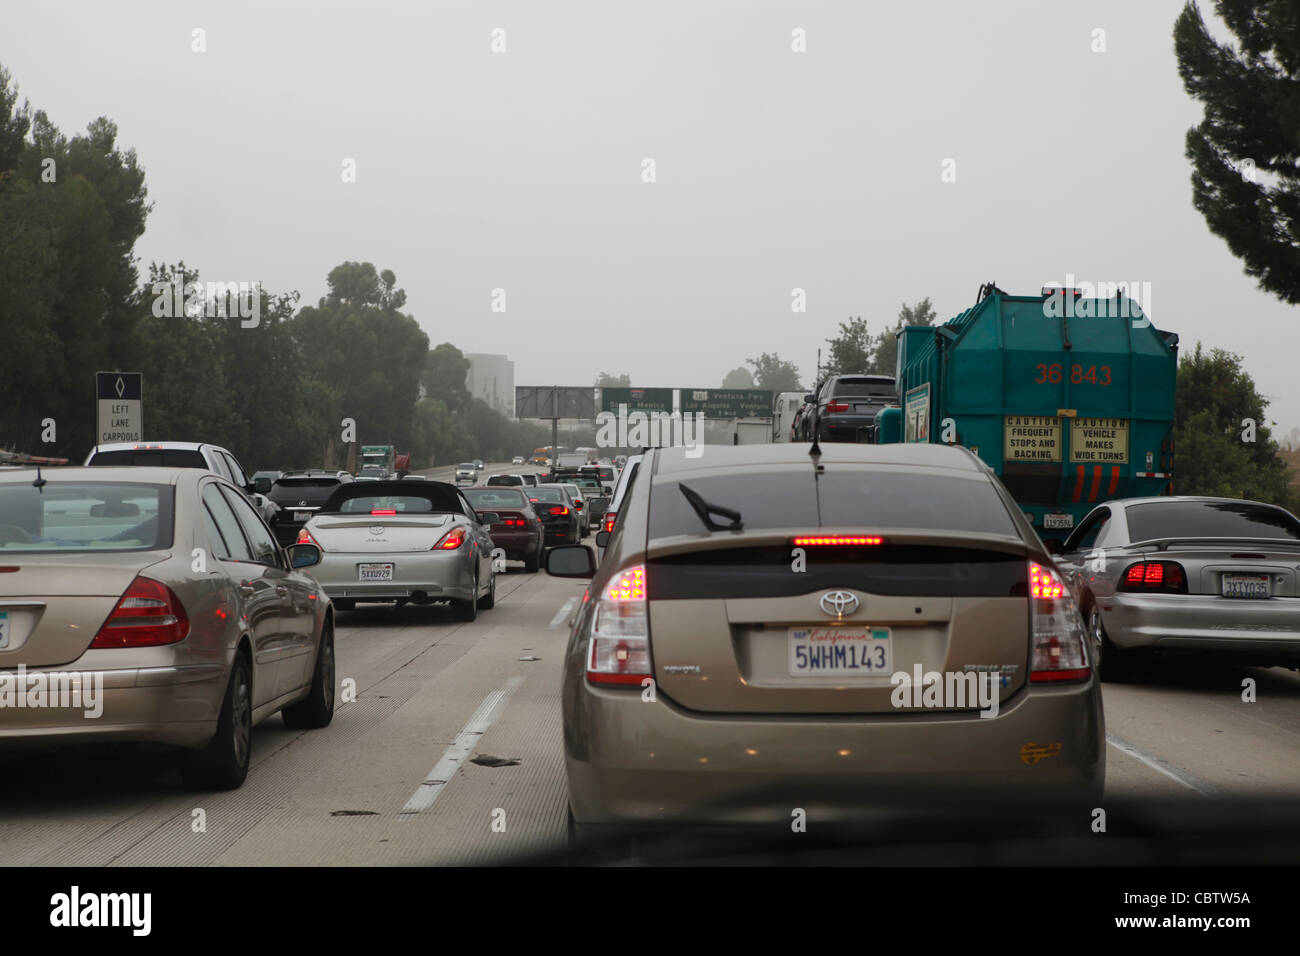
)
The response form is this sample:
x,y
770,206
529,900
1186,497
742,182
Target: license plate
x,y
374,572
836,651
4,629
1058,521
301,515
1246,586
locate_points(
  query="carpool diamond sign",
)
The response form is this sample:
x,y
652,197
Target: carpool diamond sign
x,y
121,415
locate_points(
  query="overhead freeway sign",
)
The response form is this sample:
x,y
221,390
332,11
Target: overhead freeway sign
x,y
637,399
728,402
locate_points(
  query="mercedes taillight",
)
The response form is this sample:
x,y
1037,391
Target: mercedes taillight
x,y
148,614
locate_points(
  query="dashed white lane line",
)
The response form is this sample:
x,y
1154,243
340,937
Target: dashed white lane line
x,y
561,615
436,780
1158,765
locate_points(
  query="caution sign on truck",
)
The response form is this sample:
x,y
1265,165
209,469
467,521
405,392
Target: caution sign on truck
x,y
1032,438
1100,441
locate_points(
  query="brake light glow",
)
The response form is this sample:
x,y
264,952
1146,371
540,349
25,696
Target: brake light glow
x,y
148,614
450,541
619,651
609,521
1167,576
559,510
383,511
837,539
1058,649
304,537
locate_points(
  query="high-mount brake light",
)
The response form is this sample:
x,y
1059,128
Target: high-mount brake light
x,y
807,541
383,511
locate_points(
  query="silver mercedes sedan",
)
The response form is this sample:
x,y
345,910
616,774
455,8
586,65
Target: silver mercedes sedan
x,y
403,541
153,604
1187,574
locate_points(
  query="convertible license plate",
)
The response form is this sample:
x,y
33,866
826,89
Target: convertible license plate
x,y
1055,521
301,515
836,651
1246,586
374,572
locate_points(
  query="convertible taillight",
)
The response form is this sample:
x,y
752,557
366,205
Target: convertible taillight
x,y
304,537
450,541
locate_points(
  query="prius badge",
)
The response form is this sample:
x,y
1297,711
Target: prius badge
x,y
839,603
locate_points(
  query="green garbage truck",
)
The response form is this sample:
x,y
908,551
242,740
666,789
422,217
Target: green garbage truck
x,y
1069,399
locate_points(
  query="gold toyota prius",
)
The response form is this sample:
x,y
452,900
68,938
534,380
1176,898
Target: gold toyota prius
x,y
776,629
154,605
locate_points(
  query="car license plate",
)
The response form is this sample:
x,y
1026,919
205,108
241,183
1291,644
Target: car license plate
x,y
836,651
301,515
1246,586
1058,521
4,629
374,572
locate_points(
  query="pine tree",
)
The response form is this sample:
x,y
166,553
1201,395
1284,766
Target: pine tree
x,y
1246,151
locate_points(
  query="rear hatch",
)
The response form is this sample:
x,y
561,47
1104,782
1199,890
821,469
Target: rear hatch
x,y
300,498
770,620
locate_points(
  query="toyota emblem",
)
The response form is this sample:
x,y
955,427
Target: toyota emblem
x,y
839,603
376,529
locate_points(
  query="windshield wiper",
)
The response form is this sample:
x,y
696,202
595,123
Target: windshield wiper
x,y
704,509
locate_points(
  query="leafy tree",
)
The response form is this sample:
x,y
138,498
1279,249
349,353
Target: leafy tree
x,y
772,373
605,380
738,378
1216,403
853,350
885,358
1251,94
445,372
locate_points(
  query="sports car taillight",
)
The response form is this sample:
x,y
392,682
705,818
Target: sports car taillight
x,y
1057,649
1149,576
559,510
304,537
619,645
147,615
450,541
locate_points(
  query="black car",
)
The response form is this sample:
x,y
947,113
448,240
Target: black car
x,y
563,524
299,495
847,406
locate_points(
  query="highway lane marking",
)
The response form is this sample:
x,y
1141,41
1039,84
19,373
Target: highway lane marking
x,y
561,614
1155,763
436,780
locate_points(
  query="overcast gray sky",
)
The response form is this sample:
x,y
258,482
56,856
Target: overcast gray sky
x,y
775,170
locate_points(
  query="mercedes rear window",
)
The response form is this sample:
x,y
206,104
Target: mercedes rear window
x,y
865,498
1209,519
151,457
90,516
